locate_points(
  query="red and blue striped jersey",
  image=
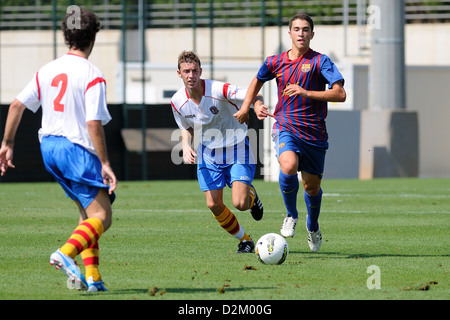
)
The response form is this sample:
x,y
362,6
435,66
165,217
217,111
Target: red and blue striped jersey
x,y
312,71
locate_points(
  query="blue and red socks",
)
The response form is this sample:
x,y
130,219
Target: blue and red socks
x,y
313,208
289,186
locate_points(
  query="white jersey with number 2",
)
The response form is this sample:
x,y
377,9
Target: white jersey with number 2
x,y
71,91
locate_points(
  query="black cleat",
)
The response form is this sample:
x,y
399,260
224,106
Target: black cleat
x,y
246,246
257,210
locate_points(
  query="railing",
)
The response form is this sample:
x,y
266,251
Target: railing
x,y
244,13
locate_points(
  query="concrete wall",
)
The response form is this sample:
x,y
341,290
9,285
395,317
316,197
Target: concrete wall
x,y
23,52
427,96
238,53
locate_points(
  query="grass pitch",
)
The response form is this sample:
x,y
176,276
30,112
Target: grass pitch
x,y
164,244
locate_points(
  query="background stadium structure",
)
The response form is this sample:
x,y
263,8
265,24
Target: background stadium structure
x,y
393,54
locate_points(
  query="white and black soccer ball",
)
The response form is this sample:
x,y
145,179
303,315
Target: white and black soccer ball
x,y
272,248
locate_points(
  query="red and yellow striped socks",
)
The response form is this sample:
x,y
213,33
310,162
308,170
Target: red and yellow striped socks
x,y
85,235
90,258
229,222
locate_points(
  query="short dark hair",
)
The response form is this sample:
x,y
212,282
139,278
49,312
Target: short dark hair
x,y
188,57
302,16
81,36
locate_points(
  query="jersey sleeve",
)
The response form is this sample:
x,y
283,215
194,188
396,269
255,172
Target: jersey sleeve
x,y
181,122
30,95
234,94
95,98
330,72
265,73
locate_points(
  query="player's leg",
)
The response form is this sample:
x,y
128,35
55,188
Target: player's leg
x,y
90,230
91,255
211,178
85,236
289,186
54,152
241,196
244,195
70,163
100,209
312,166
313,201
223,215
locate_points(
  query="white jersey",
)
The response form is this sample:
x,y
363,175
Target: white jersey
x,y
71,91
212,120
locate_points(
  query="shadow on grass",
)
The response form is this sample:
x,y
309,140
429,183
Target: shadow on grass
x,y
161,291
338,255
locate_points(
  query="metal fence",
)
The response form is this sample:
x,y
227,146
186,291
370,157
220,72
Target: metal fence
x,y
207,13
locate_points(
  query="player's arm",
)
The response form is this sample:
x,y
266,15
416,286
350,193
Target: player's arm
x,y
97,135
15,113
335,94
261,110
189,154
252,92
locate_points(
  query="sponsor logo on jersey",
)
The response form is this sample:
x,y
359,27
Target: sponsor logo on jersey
x,y
189,116
281,145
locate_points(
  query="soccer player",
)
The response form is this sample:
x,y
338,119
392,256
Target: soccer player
x,y
299,132
72,94
204,109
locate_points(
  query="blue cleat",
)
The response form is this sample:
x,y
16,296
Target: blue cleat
x,y
95,286
75,280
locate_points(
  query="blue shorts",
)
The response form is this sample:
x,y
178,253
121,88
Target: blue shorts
x,y
77,170
219,167
311,155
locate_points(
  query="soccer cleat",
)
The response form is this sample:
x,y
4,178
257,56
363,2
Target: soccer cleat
x,y
257,210
288,227
314,240
246,246
95,286
75,280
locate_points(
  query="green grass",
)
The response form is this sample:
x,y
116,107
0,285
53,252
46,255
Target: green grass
x,y
164,238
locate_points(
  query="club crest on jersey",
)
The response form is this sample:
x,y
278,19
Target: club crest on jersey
x,y
306,67
214,110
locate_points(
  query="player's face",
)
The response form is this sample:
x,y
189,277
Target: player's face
x,y
190,73
301,34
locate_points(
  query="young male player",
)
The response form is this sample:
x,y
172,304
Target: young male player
x,y
205,108
299,131
72,94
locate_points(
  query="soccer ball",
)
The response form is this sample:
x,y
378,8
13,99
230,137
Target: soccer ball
x,y
272,248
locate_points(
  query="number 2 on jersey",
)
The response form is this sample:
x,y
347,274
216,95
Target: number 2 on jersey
x,y
57,105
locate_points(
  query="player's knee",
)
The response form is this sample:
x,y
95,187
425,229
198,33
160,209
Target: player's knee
x,y
241,204
107,224
214,205
105,217
289,165
312,189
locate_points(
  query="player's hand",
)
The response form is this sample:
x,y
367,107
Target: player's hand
x,y
294,89
189,155
262,112
6,156
242,116
109,178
